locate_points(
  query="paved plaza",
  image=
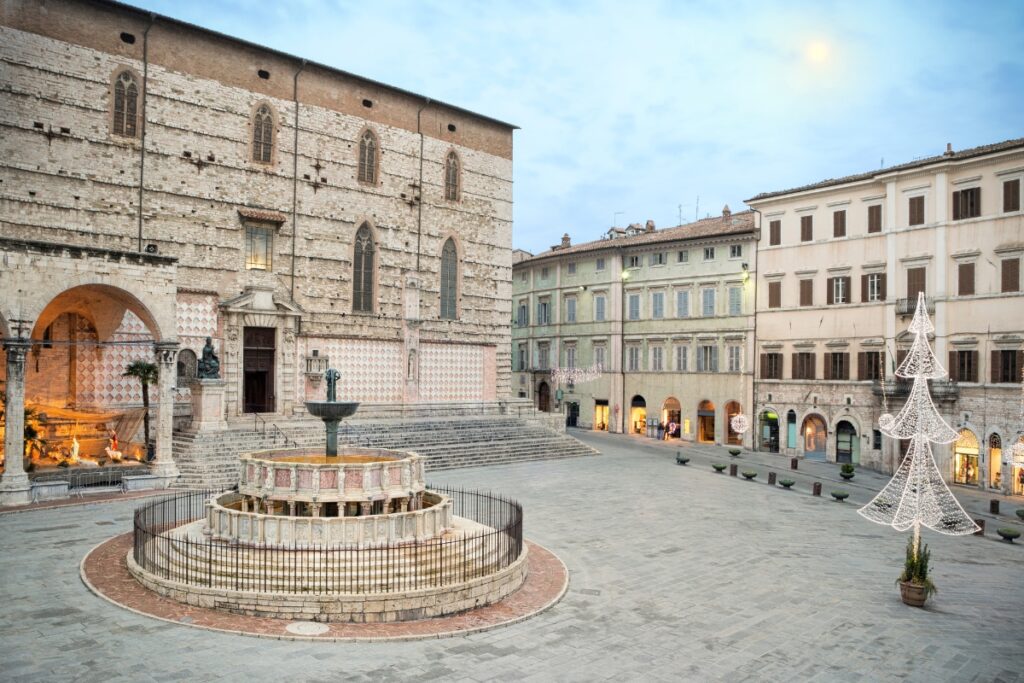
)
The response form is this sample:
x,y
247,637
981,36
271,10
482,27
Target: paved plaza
x,y
677,573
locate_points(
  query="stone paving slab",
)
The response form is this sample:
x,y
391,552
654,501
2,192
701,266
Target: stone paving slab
x,y
676,573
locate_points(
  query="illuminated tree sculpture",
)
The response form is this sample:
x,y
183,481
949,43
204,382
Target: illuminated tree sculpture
x,y
916,495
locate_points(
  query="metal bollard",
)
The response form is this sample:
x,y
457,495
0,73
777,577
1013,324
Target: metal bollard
x,y
816,490
993,506
793,463
771,479
732,469
981,531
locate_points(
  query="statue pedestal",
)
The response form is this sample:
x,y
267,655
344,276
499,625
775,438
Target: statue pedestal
x,y
208,405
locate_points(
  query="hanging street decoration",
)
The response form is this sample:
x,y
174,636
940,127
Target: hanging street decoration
x,y
575,375
739,423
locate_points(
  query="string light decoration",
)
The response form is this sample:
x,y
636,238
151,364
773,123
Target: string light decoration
x,y
740,423
916,495
575,375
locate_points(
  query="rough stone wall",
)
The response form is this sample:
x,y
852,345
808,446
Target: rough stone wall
x,y
67,179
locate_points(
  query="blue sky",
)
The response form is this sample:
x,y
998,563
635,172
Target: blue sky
x,y
629,110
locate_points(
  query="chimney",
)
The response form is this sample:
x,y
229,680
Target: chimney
x,y
726,212
949,149
566,242
650,226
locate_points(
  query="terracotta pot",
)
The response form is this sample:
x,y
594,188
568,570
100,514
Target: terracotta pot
x,y
912,595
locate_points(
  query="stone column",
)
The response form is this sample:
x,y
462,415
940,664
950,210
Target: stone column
x,y
14,485
163,465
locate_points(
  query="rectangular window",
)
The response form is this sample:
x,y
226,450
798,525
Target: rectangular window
x,y
837,290
1011,275
543,356
806,228
259,247
807,292
709,253
967,203
634,261
633,358
915,282
875,218
570,309
963,366
523,276
658,305
1006,366
682,359
658,259
599,302
735,359
523,319
657,359
707,302
572,268
775,294
544,273
803,365
599,356
771,366
683,256
570,356
522,357
871,365
839,224
774,233
872,287
876,439
735,251
707,358
1011,195
837,365
735,300
599,264
965,279
683,303
916,207
544,312
634,306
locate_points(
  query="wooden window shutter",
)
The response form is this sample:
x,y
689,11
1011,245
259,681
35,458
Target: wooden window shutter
x,y
806,228
915,282
795,372
812,362
848,288
862,363
830,285
774,233
807,292
764,366
839,224
974,367
957,212
954,368
863,287
1011,275
1018,366
916,210
965,279
875,218
994,366
1011,195
827,374
774,294
881,287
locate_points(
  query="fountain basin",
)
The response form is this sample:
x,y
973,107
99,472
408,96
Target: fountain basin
x,y
332,410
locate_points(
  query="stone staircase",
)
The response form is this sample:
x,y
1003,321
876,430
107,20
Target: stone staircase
x,y
211,460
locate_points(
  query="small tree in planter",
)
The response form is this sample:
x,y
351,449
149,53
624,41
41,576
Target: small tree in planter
x,y
1008,533
846,472
147,373
719,467
916,495
786,483
749,475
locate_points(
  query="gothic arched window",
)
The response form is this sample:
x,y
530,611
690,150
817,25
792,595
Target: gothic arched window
x,y
263,135
368,157
451,177
362,271
126,105
449,279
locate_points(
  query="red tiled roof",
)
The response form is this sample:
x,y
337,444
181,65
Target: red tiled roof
x,y
955,156
716,226
262,215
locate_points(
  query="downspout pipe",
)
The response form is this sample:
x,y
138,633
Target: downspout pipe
x,y
419,215
142,128
295,173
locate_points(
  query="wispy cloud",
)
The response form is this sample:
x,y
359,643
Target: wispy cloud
x,y
642,107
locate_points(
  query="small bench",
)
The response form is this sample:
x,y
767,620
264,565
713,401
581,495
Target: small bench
x,y
140,482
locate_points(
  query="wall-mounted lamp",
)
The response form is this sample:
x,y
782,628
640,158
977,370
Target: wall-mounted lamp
x,y
583,288
625,275
746,272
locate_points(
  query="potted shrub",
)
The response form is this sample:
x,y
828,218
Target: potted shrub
x,y
749,476
915,585
786,483
719,467
681,459
1008,534
735,452
846,471
840,495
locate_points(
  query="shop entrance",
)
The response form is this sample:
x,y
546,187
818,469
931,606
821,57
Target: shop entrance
x,y
544,398
732,409
847,444
638,415
815,437
601,415
572,414
258,366
995,461
706,422
770,431
965,458
671,414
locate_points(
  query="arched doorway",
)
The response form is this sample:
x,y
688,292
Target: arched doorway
x,y
769,431
965,458
847,443
638,415
671,414
995,461
815,437
1017,472
544,398
706,422
732,409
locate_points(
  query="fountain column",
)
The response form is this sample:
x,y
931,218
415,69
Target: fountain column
x,y
163,464
15,488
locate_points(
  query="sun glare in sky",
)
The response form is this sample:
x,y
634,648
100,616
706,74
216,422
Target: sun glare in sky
x,y
817,52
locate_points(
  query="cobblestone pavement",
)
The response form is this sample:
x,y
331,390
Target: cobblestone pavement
x,y
677,573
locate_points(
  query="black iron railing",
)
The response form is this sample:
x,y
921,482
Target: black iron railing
x,y
275,569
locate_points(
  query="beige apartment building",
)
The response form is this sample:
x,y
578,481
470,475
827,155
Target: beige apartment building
x,y
667,315
840,265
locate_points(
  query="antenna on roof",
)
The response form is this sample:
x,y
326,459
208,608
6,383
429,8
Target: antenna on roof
x,y
696,209
615,217
680,215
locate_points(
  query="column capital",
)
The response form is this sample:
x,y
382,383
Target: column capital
x,y
16,347
167,352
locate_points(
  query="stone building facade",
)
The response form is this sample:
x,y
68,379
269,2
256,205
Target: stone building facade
x,y
840,264
308,217
668,315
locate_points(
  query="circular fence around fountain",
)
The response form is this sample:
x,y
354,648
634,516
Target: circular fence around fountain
x,y
478,563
